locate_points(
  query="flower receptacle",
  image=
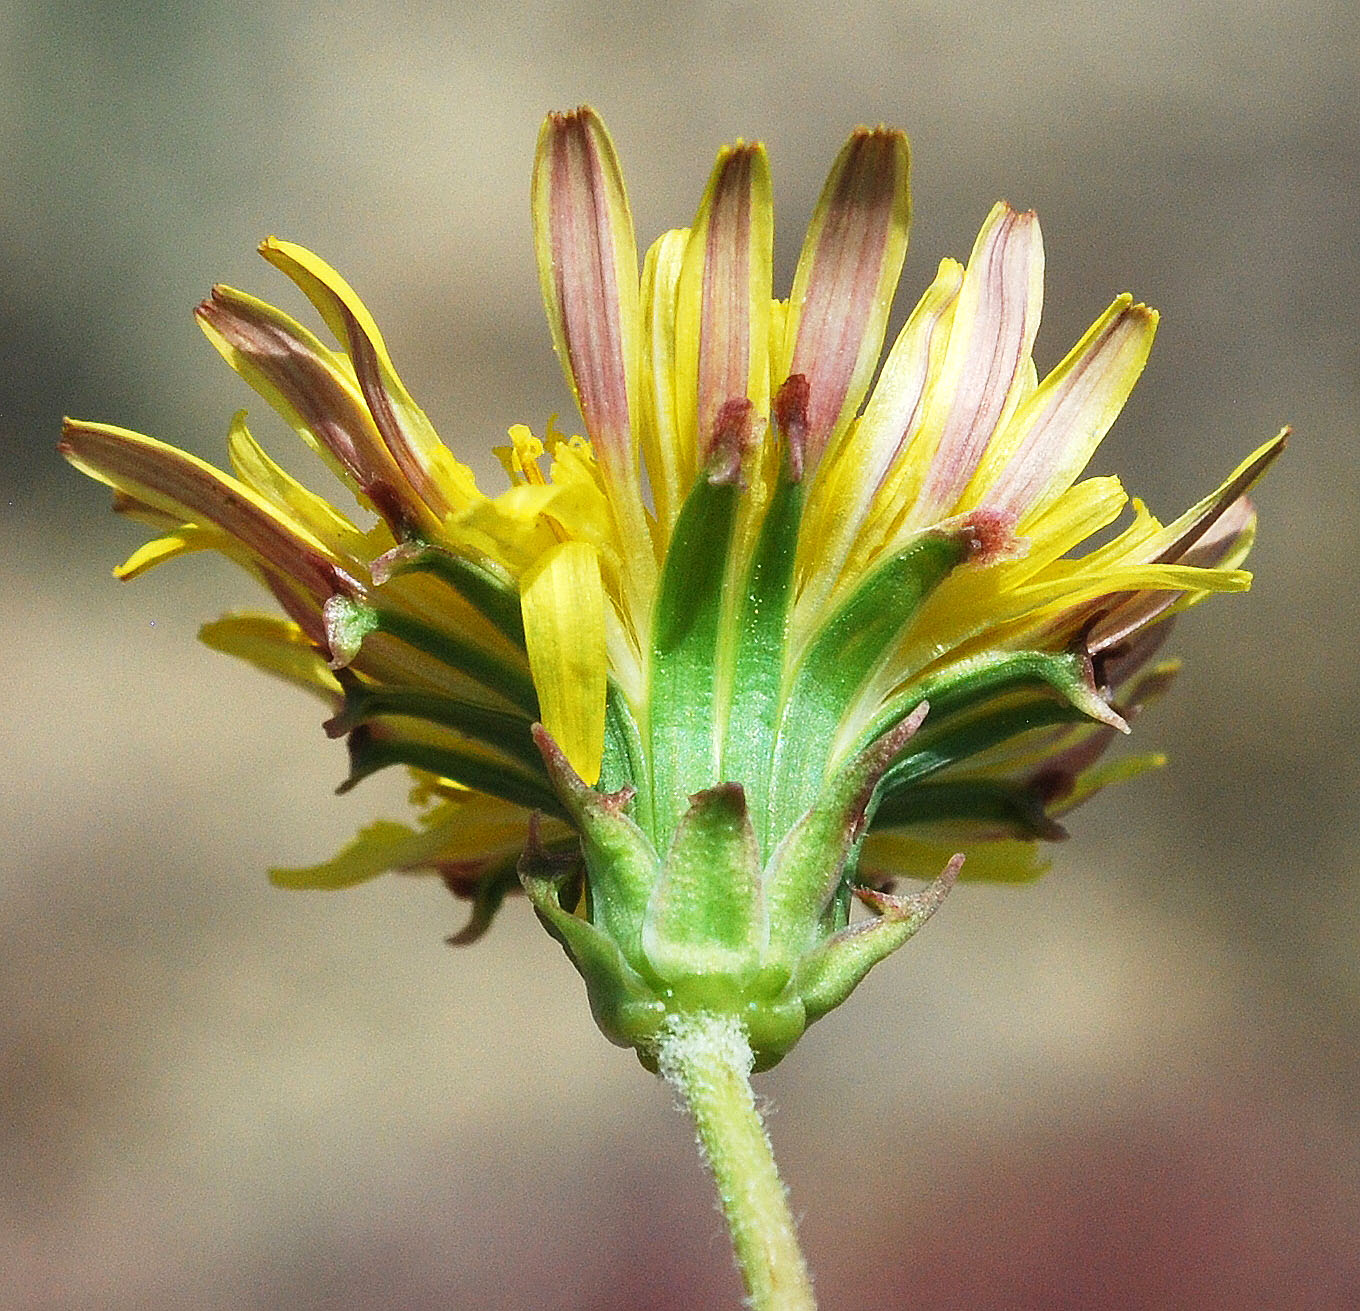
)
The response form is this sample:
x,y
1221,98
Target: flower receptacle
x,y
709,928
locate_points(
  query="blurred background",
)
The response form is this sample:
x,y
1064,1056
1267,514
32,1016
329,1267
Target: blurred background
x,y
1131,1085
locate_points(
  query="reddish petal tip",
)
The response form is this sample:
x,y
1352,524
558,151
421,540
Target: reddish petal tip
x,y
791,419
732,434
989,537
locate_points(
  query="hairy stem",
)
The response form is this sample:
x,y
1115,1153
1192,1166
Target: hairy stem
x,y
707,1060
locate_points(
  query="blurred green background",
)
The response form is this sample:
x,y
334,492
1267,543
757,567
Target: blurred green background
x,y
1132,1085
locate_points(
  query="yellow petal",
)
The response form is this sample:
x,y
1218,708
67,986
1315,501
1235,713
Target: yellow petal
x,y
274,645
184,540
564,630
517,526
856,483
467,830
376,849
1092,780
253,467
1079,513
172,481
1067,592
671,463
1003,861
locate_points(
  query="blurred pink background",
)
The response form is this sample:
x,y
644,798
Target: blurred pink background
x,y
1132,1085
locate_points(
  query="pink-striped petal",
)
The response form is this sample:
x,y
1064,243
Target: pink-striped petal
x,y
1213,534
869,459
587,266
1054,433
181,484
563,604
893,413
300,378
847,273
1122,621
1198,523
988,356
723,311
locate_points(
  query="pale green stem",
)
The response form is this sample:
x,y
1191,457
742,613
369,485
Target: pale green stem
x,y
707,1060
